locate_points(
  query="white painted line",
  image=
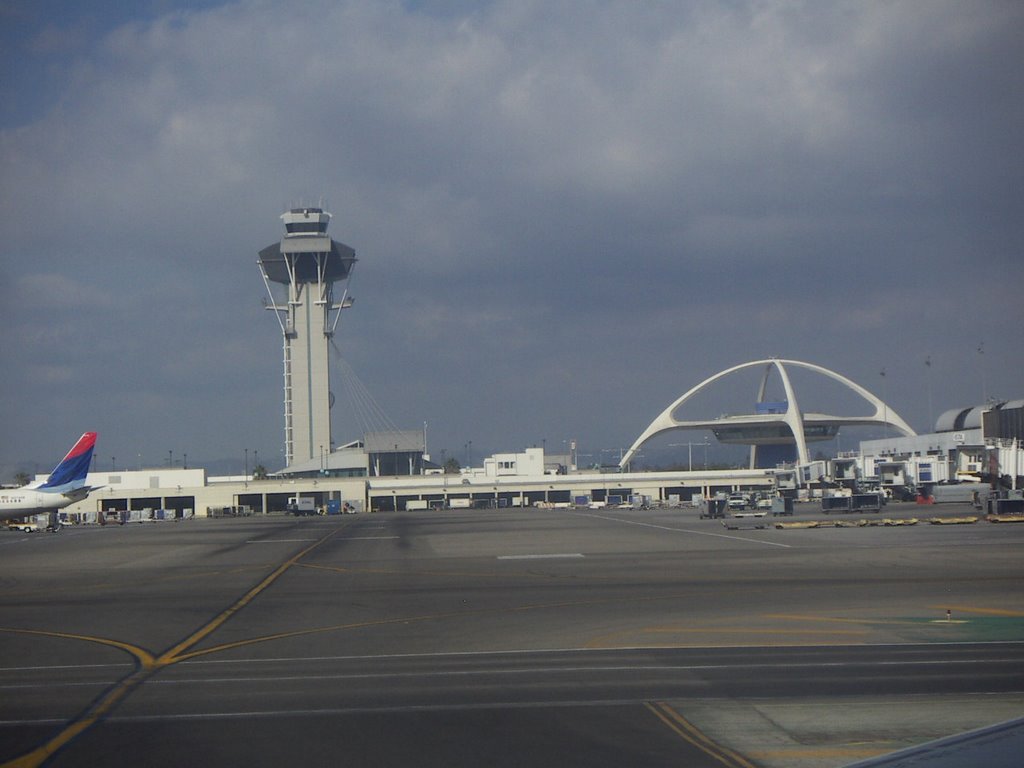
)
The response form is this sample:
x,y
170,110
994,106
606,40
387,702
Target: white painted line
x,y
275,541
527,652
684,530
539,557
366,538
551,669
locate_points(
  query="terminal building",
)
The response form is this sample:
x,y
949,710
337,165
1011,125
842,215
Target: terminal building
x,y
166,494
392,472
979,444
306,276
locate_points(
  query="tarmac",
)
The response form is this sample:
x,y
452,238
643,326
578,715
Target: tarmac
x,y
511,637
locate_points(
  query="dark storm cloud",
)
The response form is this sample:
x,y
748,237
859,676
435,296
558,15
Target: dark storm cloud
x,y
564,220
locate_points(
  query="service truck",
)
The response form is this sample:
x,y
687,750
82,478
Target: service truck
x,y
301,505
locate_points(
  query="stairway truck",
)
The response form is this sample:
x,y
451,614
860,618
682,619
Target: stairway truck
x,y
301,505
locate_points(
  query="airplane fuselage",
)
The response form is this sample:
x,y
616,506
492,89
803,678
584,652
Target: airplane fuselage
x,y
21,502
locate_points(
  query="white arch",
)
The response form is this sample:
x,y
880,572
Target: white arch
x,y
793,417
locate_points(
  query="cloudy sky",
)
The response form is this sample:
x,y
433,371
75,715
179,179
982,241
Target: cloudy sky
x,y
566,213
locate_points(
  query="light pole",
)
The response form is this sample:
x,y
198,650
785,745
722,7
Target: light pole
x,y
928,382
885,406
689,451
984,386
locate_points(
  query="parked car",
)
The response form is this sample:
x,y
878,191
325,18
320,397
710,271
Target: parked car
x,y
738,501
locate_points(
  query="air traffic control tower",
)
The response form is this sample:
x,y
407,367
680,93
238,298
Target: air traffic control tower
x,y
308,264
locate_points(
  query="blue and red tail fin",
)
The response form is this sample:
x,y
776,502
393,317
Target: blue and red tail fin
x,y
75,466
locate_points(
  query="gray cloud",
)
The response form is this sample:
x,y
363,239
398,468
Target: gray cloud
x,y
564,219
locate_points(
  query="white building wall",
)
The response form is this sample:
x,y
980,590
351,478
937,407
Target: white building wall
x,y
945,456
141,479
226,494
529,462
921,445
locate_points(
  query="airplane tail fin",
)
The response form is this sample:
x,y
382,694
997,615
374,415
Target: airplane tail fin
x,y
73,468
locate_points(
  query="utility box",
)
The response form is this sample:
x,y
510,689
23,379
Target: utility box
x,y
854,502
714,508
866,502
831,504
1005,506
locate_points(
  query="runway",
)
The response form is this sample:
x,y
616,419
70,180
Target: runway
x,y
503,637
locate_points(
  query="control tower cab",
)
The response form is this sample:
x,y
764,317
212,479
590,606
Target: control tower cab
x,y
306,267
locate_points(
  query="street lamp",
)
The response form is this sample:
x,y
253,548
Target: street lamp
x,y
928,374
689,451
984,386
885,406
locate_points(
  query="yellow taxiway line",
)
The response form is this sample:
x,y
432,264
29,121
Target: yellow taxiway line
x,y
147,666
691,734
